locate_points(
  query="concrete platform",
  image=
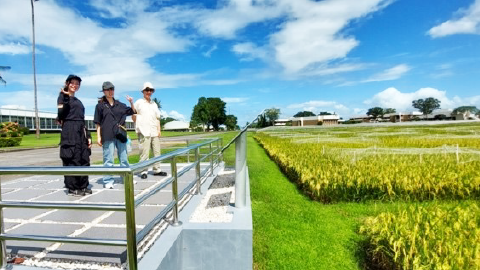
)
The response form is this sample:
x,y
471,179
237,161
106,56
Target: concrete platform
x,y
79,223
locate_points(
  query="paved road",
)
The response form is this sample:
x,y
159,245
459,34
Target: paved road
x,y
50,156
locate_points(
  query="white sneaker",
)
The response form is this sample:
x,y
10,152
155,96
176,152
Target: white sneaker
x,y
109,186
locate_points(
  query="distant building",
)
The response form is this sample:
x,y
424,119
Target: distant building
x,y
177,126
281,122
326,120
26,118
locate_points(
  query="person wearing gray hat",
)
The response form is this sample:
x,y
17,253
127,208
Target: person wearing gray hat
x,y
110,116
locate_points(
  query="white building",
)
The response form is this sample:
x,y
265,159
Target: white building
x,y
177,126
26,118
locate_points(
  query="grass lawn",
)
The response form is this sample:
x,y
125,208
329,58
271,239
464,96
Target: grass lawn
x,y
290,231
53,139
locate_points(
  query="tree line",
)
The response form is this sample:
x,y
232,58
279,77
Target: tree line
x,y
425,106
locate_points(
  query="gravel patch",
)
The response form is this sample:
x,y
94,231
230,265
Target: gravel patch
x,y
214,206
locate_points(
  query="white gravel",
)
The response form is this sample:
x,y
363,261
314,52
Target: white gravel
x,y
217,214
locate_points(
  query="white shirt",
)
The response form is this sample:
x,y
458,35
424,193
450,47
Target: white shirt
x,y
148,115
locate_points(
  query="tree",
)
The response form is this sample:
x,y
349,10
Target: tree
x,y
426,106
272,114
389,110
3,68
464,109
375,112
208,112
304,114
325,113
231,122
159,104
163,121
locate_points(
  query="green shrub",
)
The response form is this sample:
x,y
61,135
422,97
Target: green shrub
x,y
3,134
24,130
9,141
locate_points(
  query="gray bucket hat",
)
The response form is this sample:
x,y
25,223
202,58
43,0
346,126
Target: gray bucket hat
x,y
107,85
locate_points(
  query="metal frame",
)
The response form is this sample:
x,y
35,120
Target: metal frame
x,y
132,238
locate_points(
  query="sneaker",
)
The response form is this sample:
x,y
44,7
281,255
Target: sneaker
x,y
87,191
71,192
109,186
160,174
76,192
143,176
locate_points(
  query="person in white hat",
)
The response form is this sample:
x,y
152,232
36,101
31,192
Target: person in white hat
x,y
147,126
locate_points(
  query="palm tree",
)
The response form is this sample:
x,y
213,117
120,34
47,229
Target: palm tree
x,y
37,121
158,102
3,68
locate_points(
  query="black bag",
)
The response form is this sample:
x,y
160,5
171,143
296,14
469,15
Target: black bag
x,y
120,133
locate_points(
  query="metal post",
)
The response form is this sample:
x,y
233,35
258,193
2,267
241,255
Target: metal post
x,y
3,249
211,160
221,153
175,221
240,170
188,153
130,219
219,146
197,171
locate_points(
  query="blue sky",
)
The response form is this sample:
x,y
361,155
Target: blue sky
x,y
342,56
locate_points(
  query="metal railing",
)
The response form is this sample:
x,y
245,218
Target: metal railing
x,y
132,237
241,169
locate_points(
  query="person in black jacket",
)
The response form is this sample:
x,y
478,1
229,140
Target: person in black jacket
x,y
75,139
110,115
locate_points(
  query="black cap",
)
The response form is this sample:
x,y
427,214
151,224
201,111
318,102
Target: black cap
x,y
73,77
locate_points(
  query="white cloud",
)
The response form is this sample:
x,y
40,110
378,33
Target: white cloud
x,y
14,48
390,74
234,100
173,114
469,23
393,98
209,52
249,51
313,35
235,15
317,106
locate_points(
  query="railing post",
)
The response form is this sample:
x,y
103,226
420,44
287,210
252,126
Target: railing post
x,y
130,219
197,171
188,153
240,170
3,248
221,153
211,160
173,166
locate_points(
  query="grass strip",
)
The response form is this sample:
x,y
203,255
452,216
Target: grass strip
x,y
290,231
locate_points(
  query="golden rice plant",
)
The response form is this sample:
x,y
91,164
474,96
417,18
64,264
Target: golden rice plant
x,y
331,175
429,237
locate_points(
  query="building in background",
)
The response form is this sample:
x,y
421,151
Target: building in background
x,y
26,118
176,126
326,120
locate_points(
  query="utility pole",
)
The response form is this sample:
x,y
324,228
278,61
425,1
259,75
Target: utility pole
x,y
37,121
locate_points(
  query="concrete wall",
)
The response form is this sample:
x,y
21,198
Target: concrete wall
x,y
204,246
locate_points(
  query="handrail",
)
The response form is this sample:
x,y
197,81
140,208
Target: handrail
x,y
130,204
242,131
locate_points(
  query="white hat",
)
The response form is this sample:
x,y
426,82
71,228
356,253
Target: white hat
x,y
147,85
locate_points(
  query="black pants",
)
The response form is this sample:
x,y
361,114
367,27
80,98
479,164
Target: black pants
x,y
74,151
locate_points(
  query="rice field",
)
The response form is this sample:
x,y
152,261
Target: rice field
x,y
394,164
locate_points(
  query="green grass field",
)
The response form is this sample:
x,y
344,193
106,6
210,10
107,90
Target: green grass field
x,y
53,139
